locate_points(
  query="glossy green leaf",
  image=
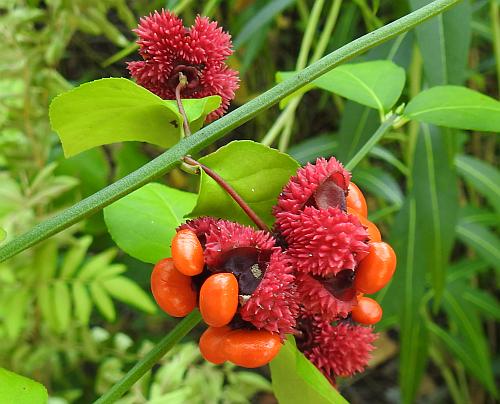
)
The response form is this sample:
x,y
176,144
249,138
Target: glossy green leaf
x,y
17,389
482,176
377,84
82,302
295,380
143,223
256,172
115,110
444,43
455,107
482,240
102,300
358,122
129,292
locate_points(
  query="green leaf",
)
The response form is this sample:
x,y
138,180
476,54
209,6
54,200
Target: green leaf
x,y
3,234
295,380
82,302
482,176
143,223
129,292
75,256
444,43
16,308
45,302
377,84
256,172
483,302
318,146
62,304
455,107
102,301
17,389
482,240
96,264
422,237
128,158
469,331
380,183
115,110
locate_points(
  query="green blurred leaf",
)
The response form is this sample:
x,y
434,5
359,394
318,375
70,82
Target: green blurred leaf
x,y
318,146
482,240
46,260
444,43
482,176
17,389
115,110
468,333
455,107
422,237
380,183
96,264
102,301
256,172
75,256
45,302
483,302
3,234
82,302
295,380
16,308
143,223
62,304
377,84
129,292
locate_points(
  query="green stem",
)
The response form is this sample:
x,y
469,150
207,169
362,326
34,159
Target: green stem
x,y
374,139
209,134
152,357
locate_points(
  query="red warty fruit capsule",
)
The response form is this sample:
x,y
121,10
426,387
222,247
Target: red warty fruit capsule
x,y
376,269
172,290
187,253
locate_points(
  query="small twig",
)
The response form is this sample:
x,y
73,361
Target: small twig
x,y
219,180
182,83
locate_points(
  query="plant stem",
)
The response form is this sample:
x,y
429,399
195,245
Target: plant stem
x,y
230,190
217,129
374,139
305,48
178,89
153,356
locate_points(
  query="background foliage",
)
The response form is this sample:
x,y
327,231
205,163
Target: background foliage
x,y
432,190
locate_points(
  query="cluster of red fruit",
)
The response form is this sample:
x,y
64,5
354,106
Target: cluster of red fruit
x,y
307,278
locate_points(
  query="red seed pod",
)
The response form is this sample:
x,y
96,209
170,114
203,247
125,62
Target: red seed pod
x,y
371,228
367,311
219,299
356,200
187,253
211,344
376,269
250,348
172,290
